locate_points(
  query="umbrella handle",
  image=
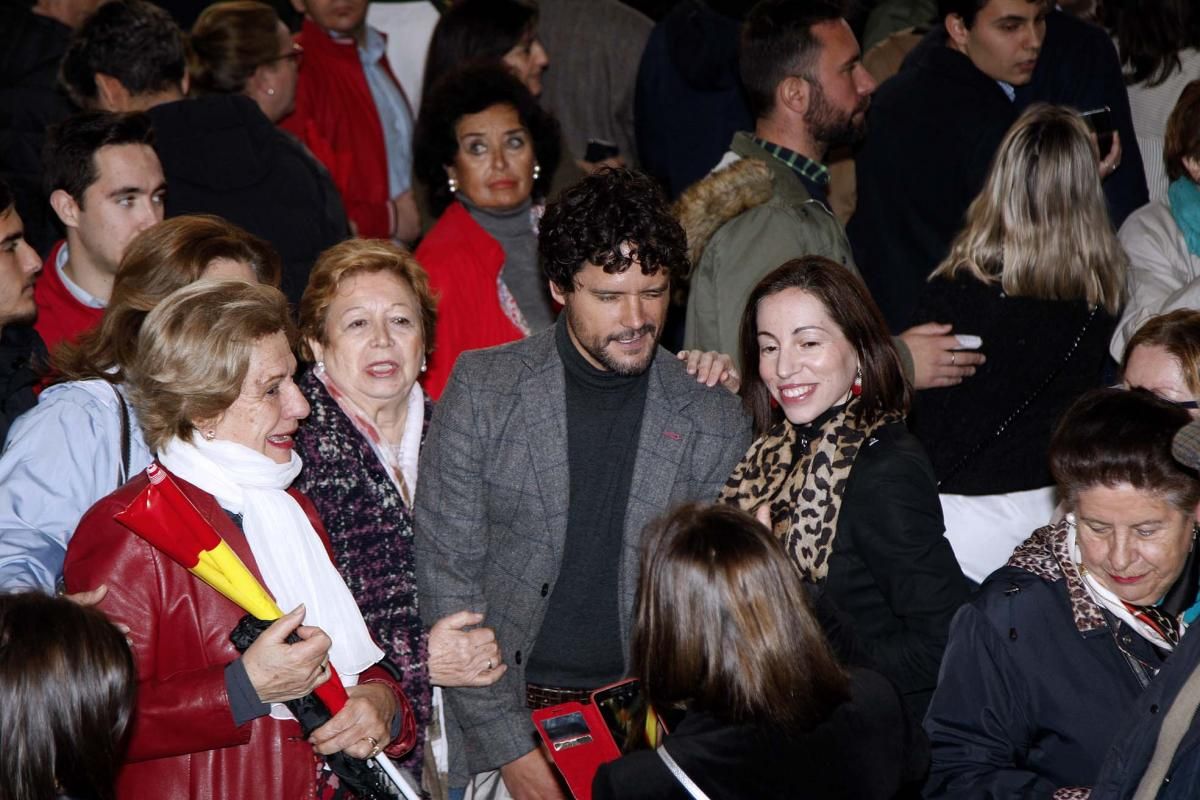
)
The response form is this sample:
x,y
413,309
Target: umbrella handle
x,y
332,692
407,791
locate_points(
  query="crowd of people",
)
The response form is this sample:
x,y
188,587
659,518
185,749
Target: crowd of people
x,y
848,403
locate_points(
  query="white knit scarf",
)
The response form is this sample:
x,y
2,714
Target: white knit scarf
x,y
290,555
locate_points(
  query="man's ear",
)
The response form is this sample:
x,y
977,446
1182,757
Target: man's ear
x,y
298,5
558,294
957,30
793,93
65,207
111,94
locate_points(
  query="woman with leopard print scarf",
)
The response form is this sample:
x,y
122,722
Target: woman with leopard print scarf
x,y
847,489
1048,661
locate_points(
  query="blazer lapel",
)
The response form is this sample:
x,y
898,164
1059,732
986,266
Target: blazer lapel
x,y
543,404
663,442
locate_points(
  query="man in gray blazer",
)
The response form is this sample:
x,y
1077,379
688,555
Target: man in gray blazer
x,y
547,457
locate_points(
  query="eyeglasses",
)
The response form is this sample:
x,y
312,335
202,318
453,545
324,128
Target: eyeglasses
x,y
296,54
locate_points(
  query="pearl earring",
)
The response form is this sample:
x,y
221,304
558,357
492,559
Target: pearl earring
x,y
452,184
270,91
424,364
537,171
321,366
1071,518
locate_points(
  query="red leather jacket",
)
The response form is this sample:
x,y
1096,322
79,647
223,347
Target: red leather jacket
x,y
336,117
463,262
184,743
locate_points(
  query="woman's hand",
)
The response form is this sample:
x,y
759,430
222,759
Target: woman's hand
x,y
279,671
1109,163
363,727
458,657
711,368
939,358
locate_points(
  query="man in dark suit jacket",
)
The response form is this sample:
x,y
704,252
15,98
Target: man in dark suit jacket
x,y
545,460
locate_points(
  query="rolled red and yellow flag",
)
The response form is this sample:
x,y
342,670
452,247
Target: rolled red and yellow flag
x,y
164,516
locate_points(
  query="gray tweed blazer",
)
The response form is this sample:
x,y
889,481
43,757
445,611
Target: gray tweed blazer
x,y
491,510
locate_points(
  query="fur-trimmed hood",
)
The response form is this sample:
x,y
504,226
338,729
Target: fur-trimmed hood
x,y
718,198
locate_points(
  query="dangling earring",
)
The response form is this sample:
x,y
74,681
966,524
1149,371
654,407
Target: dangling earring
x,y
856,387
537,170
452,184
209,435
424,364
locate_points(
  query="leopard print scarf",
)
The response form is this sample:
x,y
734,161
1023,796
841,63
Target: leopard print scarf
x,y
803,481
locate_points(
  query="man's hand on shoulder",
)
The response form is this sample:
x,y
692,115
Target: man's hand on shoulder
x,y
532,777
711,368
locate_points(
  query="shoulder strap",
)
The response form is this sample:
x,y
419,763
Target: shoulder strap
x,y
123,467
688,784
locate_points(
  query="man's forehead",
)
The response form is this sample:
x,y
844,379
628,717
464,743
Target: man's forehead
x,y
593,276
1017,9
126,157
837,40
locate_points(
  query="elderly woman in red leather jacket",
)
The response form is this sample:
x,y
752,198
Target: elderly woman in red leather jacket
x,y
213,390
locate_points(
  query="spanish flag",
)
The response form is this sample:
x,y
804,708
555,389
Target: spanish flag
x,y
164,516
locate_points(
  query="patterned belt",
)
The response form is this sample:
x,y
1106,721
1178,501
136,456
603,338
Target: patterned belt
x,y
546,696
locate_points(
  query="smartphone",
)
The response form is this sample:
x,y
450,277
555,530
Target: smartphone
x,y
623,708
1100,120
578,743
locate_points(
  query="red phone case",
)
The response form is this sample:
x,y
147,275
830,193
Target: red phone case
x,y
578,744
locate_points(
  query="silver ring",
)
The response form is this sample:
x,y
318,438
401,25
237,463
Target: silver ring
x,y
953,358
490,665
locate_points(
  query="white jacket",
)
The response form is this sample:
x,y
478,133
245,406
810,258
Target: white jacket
x,y
1162,272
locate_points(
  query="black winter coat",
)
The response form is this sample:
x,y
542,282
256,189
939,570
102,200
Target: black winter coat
x,y
31,47
934,129
222,156
22,357
1026,703
892,571
865,751
1027,342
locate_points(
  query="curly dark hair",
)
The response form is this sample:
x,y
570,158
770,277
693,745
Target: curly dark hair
x,y
134,41
470,90
593,219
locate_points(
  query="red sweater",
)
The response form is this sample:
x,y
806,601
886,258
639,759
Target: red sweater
x,y
336,117
463,262
61,317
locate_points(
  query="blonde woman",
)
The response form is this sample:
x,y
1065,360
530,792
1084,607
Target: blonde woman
x,y
1038,273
